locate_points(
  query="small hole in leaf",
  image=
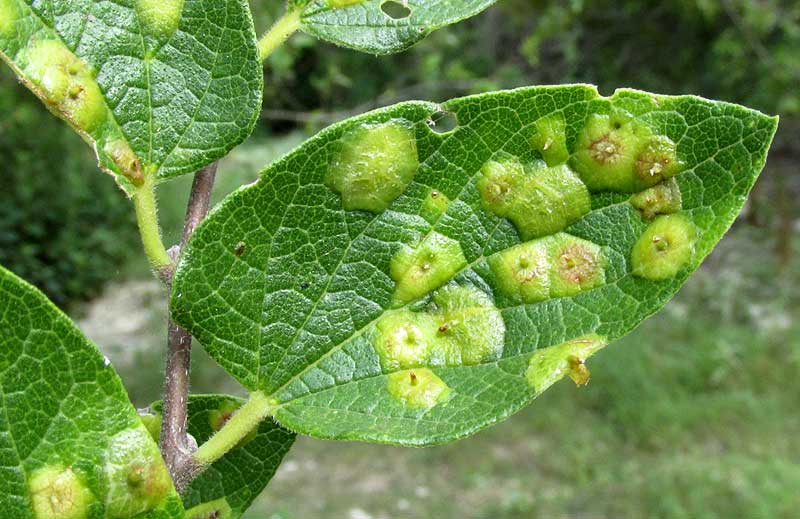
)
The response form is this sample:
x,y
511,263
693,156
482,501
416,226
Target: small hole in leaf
x,y
395,10
443,122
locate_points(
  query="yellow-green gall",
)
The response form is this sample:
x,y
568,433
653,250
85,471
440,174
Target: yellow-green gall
x,y
523,272
57,492
664,198
560,265
66,84
417,388
550,139
425,267
607,150
9,15
576,265
434,205
469,327
550,200
665,247
539,200
84,105
218,509
499,183
404,340
373,165
159,18
657,160
50,65
548,365
463,327
126,160
137,479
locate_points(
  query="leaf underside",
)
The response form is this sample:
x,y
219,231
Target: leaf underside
x,y
239,477
156,88
69,436
314,304
366,27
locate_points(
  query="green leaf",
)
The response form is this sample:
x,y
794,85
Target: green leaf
x,y
157,87
382,26
427,315
71,443
230,485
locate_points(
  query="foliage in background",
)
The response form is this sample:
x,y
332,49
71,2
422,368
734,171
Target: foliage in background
x,y
63,227
742,51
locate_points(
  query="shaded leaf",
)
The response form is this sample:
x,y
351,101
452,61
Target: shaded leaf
x,y
492,274
71,443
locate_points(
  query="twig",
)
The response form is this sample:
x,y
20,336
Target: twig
x,y
177,446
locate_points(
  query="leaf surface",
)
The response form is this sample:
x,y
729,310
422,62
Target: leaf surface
x,y
425,312
157,87
232,483
71,443
366,26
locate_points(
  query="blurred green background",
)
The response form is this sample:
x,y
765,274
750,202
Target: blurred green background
x,y
693,415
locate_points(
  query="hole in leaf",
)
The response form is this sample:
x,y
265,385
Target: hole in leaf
x,y
395,10
443,122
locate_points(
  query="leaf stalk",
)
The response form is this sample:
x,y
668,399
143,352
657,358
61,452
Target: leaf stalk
x,y
244,421
284,27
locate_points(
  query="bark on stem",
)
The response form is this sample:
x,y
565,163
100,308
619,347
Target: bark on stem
x,y
177,447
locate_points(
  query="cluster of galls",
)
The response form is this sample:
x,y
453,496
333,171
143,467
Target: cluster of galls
x,y
555,266
135,481
617,152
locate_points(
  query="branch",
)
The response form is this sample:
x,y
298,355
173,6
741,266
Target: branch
x,y
245,420
177,446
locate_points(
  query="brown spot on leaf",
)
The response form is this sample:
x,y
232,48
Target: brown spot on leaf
x,y
577,264
578,371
